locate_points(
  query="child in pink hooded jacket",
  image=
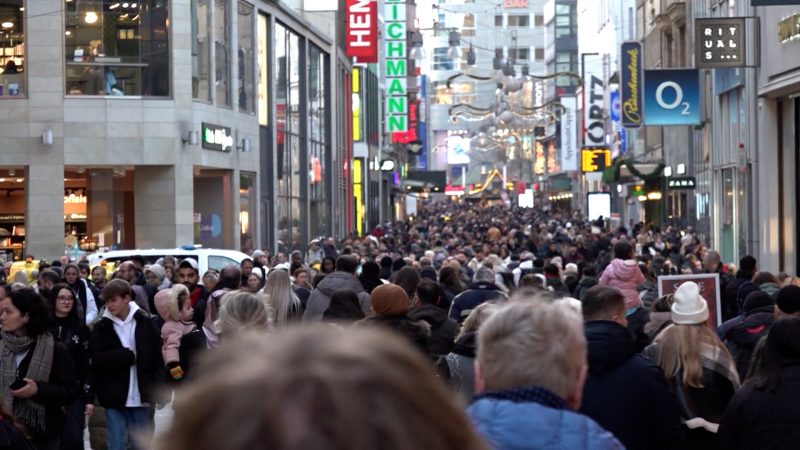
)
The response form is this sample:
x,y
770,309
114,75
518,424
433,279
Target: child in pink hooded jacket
x,y
174,307
623,273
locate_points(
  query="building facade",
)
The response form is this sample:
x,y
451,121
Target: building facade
x,y
158,124
776,171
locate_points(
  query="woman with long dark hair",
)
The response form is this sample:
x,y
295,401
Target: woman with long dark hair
x,y
450,282
37,377
67,328
765,412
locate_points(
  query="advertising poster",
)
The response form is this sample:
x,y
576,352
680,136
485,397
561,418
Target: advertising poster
x,y
709,290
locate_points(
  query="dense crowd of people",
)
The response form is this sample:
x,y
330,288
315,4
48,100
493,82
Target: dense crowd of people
x,y
460,328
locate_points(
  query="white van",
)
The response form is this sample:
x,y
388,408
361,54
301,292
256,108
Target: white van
x,y
207,258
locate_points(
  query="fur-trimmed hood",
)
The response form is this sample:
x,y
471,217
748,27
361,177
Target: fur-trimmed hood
x,y
166,301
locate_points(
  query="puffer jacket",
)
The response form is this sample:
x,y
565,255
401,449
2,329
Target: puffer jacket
x,y
625,276
741,339
457,368
509,425
465,302
320,298
584,285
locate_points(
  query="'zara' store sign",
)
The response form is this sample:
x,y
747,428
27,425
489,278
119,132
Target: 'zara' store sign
x,y
720,42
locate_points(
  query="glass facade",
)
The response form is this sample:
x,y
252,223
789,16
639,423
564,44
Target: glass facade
x,y
287,98
247,210
12,49
245,58
319,143
201,52
118,49
222,51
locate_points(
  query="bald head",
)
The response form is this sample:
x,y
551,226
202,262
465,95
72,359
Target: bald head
x,y
127,271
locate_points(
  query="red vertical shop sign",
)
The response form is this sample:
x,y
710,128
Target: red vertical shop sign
x,y
361,30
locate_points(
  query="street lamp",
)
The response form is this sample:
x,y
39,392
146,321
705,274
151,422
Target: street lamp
x,y
454,40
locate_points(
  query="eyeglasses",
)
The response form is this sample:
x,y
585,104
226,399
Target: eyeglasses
x,y
65,299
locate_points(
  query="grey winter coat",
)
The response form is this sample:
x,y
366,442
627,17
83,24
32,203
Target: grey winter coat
x,y
320,298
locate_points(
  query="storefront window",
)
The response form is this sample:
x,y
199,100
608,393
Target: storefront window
x,y
247,210
118,49
318,193
222,49
245,58
263,79
12,49
201,62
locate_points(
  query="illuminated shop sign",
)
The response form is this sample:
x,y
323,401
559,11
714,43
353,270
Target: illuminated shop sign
x,y
515,3
681,183
396,68
361,30
720,42
217,137
595,159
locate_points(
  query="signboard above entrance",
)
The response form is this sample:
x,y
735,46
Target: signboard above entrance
x,y
217,137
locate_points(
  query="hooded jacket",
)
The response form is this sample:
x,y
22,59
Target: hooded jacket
x,y
625,276
320,298
741,338
626,393
443,328
126,365
173,328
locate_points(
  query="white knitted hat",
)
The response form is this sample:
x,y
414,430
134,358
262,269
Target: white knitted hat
x,y
689,307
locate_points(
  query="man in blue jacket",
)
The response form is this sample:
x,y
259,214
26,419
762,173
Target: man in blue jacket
x,y
529,376
625,392
483,290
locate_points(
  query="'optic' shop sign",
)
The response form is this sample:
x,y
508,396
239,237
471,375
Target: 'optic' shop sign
x,y
396,68
361,30
217,137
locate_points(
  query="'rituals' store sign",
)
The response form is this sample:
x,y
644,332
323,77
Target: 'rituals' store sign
x,y
720,42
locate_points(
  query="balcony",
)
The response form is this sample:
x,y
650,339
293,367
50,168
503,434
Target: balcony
x,y
669,13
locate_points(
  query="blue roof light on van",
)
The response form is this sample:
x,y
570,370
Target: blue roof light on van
x,y
191,247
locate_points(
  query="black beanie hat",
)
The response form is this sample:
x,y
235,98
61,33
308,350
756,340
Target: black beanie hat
x,y
788,299
757,300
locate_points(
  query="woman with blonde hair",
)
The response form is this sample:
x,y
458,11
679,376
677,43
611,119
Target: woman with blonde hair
x,y
284,302
698,366
319,388
240,312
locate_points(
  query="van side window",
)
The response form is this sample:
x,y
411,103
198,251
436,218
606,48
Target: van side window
x,y
220,262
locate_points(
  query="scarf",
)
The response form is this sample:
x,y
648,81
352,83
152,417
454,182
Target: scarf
x,y
529,394
27,411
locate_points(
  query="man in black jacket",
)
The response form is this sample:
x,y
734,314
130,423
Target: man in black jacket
x,y
625,392
443,328
125,349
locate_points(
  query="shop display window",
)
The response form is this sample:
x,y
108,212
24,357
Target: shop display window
x,y
117,48
12,49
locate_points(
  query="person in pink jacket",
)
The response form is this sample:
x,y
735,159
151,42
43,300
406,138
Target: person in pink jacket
x,y
623,273
174,307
